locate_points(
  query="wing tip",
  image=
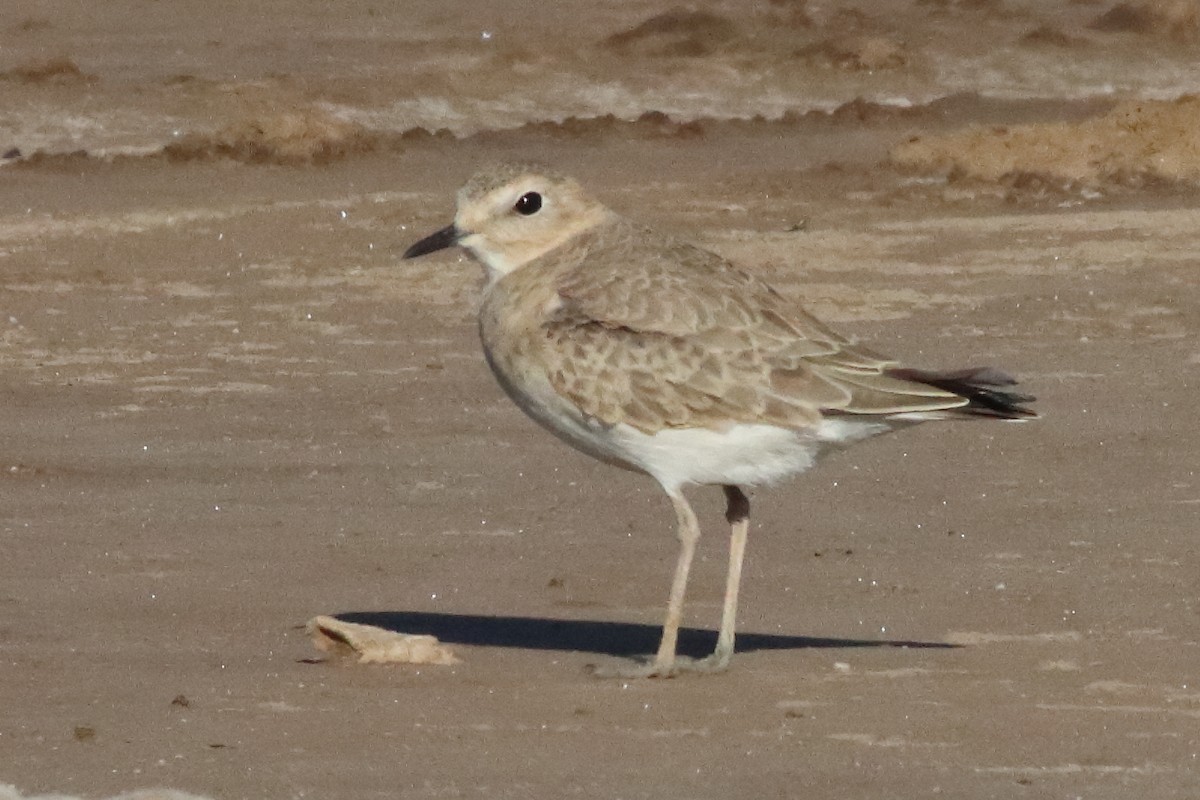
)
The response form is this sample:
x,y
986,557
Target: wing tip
x,y
984,388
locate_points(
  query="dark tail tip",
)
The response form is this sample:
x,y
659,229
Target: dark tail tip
x,y
986,389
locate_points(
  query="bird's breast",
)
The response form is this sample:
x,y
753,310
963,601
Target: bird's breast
x,y
514,345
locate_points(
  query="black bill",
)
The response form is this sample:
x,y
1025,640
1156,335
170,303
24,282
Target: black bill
x,y
446,237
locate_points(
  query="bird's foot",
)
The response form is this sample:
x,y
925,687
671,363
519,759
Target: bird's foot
x,y
634,668
679,665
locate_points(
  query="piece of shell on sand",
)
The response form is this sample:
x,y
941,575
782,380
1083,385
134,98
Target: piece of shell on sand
x,y
370,645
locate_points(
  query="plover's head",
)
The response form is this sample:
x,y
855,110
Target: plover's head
x,y
510,214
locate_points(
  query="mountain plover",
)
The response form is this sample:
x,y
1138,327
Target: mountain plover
x,y
663,358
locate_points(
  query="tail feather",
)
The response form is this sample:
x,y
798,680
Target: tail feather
x,y
984,388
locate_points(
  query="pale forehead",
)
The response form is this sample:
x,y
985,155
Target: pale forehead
x,y
499,176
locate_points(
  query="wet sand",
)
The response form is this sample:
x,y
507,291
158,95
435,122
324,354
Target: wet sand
x,y
230,407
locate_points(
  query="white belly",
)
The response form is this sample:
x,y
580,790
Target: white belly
x,y
740,454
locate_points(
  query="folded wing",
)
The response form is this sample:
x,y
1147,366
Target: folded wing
x,y
688,340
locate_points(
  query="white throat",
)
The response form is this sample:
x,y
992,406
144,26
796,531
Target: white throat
x,y
515,252
496,260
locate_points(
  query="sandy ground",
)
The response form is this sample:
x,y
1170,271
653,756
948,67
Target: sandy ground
x,y
230,407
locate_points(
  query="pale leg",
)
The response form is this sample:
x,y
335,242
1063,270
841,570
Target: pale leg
x,y
688,532
737,512
666,664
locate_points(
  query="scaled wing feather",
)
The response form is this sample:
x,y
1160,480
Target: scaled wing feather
x,y
688,340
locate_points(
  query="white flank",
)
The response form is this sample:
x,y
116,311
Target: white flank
x,y
743,455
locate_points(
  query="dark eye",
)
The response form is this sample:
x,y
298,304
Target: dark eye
x,y
528,204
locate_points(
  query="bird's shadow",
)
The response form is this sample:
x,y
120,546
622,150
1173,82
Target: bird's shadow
x,y
606,638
